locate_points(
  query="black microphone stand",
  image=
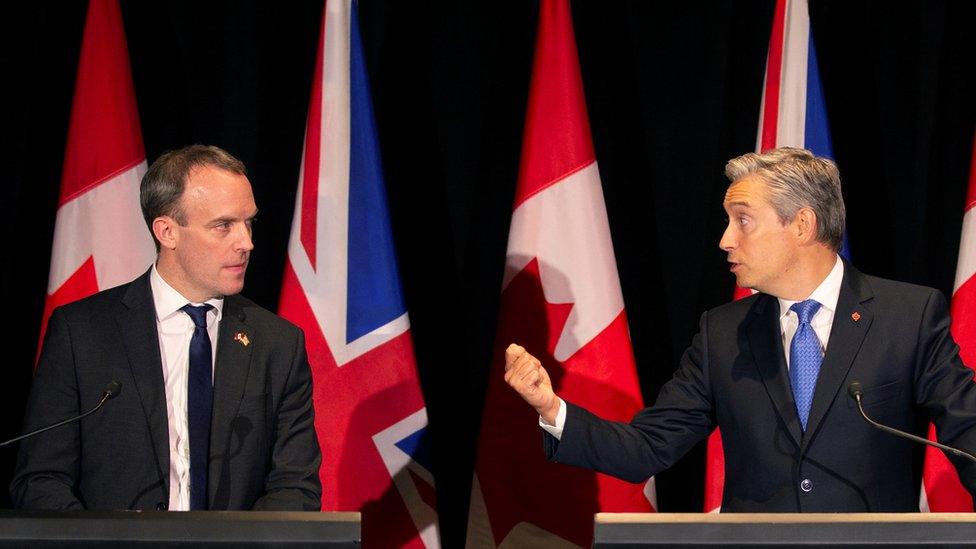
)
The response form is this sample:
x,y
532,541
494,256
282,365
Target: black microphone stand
x,y
854,389
111,390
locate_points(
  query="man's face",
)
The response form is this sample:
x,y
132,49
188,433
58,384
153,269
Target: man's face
x,y
761,249
211,249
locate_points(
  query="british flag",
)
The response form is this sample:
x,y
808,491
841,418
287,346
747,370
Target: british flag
x,y
341,285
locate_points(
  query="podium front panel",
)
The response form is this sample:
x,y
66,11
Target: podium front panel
x,y
184,529
854,530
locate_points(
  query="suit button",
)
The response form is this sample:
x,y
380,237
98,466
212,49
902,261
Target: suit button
x,y
161,506
806,485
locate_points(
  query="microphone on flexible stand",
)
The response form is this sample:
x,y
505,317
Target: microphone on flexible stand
x,y
112,389
854,389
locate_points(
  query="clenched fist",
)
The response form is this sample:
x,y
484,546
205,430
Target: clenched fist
x,y
530,380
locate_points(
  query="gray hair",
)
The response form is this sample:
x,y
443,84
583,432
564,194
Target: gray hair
x,y
164,183
798,179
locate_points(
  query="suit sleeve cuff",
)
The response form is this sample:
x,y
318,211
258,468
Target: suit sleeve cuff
x,y
557,429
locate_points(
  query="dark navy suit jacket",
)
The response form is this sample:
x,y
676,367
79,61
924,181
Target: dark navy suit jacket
x,y
263,450
892,337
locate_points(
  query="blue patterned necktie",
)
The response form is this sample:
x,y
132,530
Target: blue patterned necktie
x,y
805,359
199,404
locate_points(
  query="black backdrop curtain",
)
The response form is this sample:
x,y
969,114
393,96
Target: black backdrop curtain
x,y
673,90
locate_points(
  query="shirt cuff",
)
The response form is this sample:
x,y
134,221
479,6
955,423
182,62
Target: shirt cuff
x,y
557,429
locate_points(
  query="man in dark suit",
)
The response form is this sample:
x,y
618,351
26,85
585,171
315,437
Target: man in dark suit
x,y
215,410
772,370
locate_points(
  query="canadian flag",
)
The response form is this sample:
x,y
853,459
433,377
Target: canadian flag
x,y
941,490
793,114
100,238
561,299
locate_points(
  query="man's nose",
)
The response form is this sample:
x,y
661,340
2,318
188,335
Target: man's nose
x,y
729,239
244,241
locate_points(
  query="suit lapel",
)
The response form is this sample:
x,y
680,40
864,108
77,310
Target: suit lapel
x,y
230,377
765,340
846,336
137,325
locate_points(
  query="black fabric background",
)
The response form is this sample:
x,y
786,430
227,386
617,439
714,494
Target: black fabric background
x,y
673,90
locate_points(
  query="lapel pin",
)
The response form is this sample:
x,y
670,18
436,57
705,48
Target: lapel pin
x,y
241,338
855,315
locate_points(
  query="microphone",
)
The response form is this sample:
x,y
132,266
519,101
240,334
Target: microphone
x,y
856,392
112,390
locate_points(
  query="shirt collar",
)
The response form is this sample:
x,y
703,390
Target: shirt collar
x,y
827,293
168,301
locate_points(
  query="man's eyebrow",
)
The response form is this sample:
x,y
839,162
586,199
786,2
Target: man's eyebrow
x,y
739,203
221,219
231,218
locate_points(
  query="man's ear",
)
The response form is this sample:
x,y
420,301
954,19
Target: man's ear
x,y
806,226
166,230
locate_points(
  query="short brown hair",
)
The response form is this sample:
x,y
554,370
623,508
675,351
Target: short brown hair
x,y
164,183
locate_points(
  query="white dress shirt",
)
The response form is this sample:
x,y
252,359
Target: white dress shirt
x,y
827,294
175,328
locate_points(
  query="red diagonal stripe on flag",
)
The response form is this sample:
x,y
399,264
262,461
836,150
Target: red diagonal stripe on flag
x,y
313,148
353,402
774,71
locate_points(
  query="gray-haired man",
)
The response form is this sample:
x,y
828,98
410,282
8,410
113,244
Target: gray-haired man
x,y
772,370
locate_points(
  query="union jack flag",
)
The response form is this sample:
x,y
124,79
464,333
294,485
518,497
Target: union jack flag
x,y
341,285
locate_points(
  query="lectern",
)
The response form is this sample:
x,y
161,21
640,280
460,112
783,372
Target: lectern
x,y
183,529
687,530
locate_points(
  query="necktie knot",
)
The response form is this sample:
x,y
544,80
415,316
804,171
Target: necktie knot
x,y
198,314
805,310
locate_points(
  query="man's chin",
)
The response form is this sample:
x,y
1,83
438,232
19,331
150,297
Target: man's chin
x,y
745,283
232,288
